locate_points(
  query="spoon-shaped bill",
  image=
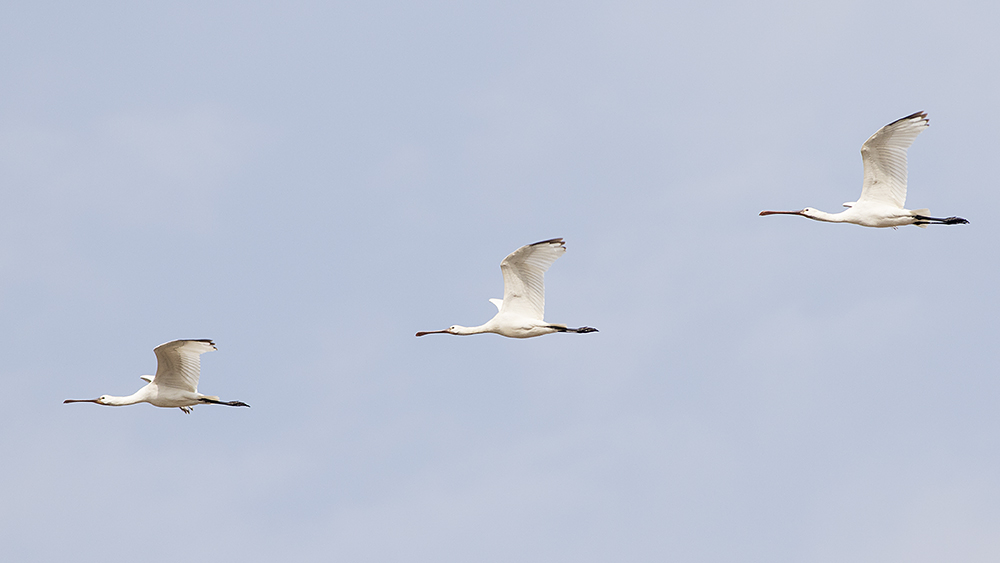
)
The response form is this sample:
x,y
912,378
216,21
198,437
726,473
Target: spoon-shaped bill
x,y
433,332
763,213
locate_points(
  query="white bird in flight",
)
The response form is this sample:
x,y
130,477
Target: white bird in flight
x,y
884,190
178,365
522,309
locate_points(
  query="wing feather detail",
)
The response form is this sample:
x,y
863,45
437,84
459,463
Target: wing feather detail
x,y
524,277
884,157
178,363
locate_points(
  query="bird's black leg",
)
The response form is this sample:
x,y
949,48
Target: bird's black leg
x,y
581,330
227,403
924,220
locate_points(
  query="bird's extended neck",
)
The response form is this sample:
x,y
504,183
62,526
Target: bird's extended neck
x,y
138,397
818,215
467,330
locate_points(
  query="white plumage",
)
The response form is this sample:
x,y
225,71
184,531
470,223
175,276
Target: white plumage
x,y
178,367
521,312
883,192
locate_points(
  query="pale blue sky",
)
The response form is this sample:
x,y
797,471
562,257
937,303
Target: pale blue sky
x,y
311,183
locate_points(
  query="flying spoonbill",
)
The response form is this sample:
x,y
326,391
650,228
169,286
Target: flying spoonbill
x,y
884,190
178,365
522,308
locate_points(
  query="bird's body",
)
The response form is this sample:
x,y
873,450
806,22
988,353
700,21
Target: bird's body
x,y
522,309
883,193
175,384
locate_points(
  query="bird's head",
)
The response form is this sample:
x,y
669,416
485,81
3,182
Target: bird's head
x,y
102,400
807,212
453,329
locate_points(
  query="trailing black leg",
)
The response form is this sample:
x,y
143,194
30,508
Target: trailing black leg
x,y
581,330
924,220
227,403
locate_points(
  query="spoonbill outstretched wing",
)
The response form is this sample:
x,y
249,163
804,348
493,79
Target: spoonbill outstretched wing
x,y
178,366
522,310
883,193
